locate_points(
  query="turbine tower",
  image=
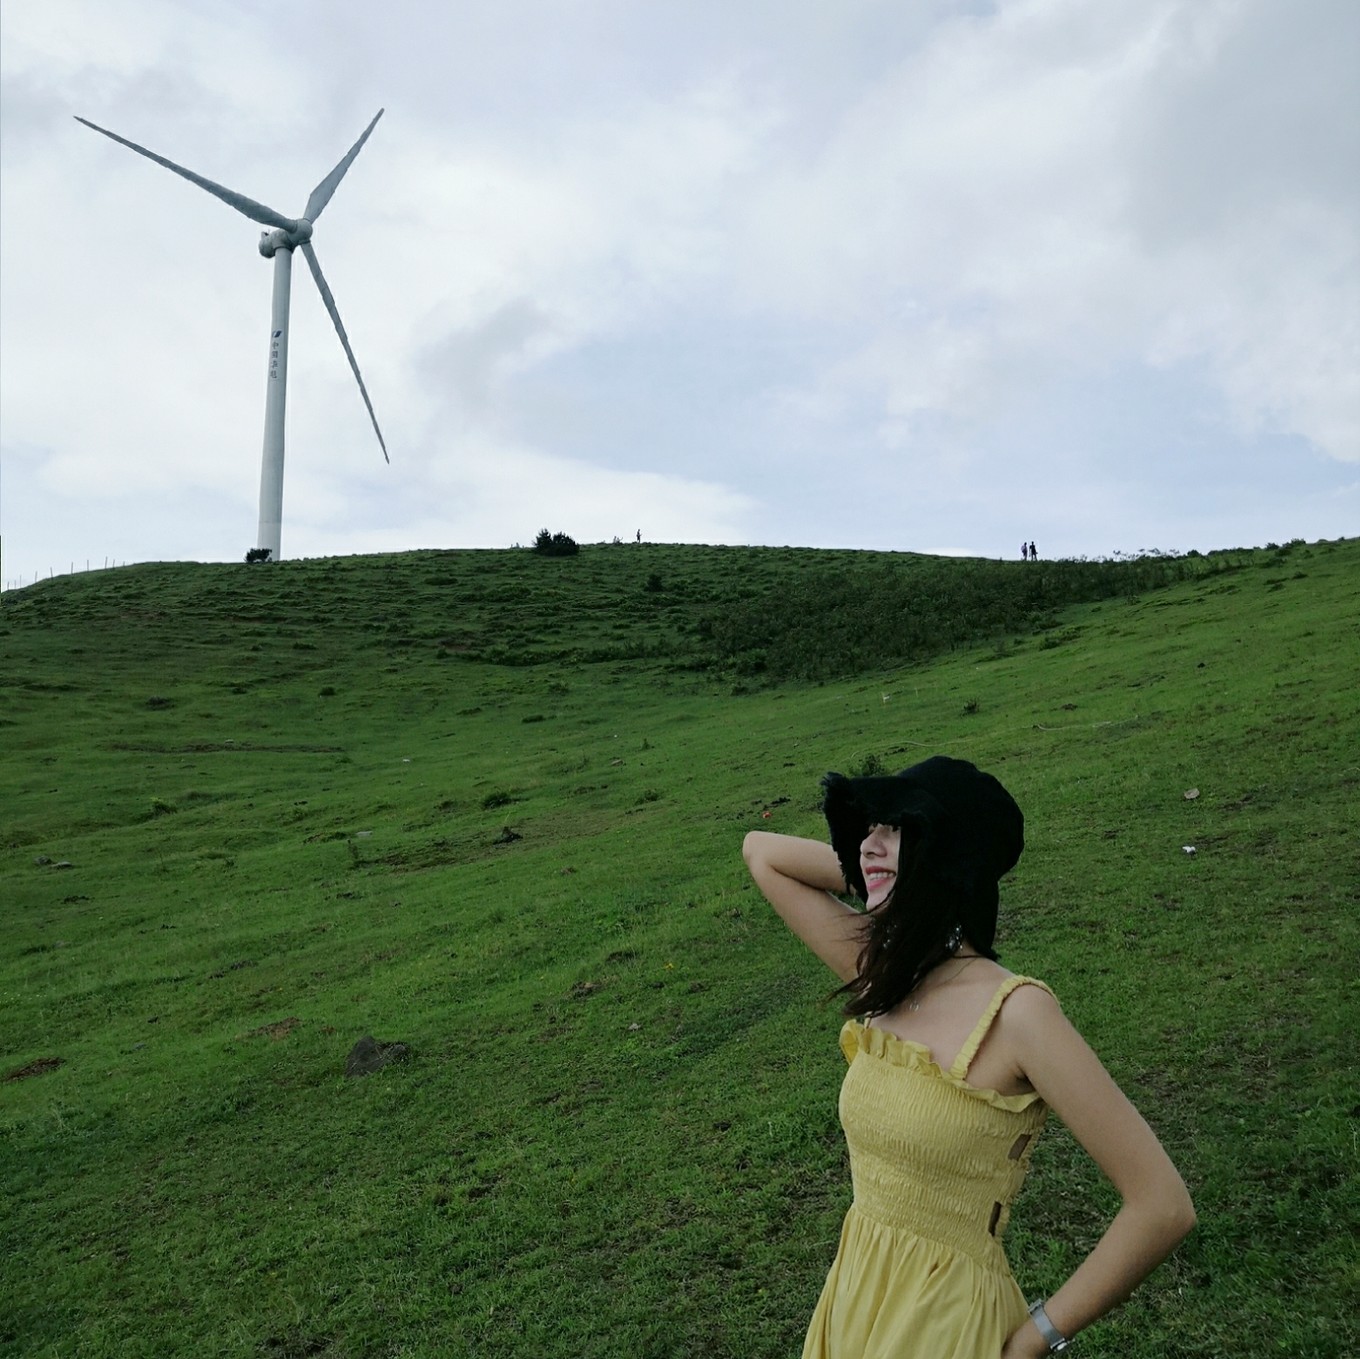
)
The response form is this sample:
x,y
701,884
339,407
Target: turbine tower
x,y
288,234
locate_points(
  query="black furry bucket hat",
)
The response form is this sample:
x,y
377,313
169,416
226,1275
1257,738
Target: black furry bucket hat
x,y
968,826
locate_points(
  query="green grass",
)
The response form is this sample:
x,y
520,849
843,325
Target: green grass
x,y
283,793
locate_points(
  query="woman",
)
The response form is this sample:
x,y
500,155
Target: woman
x,y
954,1063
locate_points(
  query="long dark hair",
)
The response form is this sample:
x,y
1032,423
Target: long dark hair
x,y
917,928
961,833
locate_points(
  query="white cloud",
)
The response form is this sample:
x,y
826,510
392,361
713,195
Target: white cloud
x,y
1000,209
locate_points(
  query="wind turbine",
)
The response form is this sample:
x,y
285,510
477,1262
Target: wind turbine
x,y
289,233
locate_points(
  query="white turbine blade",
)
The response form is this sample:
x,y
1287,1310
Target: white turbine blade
x,y
314,265
321,195
257,212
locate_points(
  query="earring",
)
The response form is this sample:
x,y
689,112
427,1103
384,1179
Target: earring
x,y
952,944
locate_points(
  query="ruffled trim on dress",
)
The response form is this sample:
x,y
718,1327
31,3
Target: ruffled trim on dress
x,y
904,1052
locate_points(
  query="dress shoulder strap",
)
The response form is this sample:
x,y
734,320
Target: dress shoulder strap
x,y
980,1030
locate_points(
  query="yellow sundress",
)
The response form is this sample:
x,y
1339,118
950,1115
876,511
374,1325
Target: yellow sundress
x,y
936,1164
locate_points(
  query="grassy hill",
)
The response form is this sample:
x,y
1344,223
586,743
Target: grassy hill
x,y
491,805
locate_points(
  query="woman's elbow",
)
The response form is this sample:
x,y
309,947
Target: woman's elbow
x,y
1184,1216
1166,1215
751,847
1175,1214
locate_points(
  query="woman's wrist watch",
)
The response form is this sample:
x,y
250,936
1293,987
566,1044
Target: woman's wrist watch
x,y
1056,1341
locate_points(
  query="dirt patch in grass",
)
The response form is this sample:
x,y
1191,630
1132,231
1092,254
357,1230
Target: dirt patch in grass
x,y
40,1066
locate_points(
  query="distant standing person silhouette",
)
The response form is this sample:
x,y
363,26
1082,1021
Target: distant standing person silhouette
x,y
1024,552
1033,553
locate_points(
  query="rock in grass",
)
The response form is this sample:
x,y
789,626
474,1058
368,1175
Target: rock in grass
x,y
369,1055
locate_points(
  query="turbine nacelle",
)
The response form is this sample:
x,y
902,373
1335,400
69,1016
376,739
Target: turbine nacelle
x,y
271,242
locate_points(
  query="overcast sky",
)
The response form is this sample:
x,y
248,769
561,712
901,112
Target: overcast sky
x,y
926,274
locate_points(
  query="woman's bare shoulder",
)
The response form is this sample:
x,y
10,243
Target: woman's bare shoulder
x,y
1030,1007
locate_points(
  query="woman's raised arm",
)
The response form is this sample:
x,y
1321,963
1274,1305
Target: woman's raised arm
x,y
797,878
